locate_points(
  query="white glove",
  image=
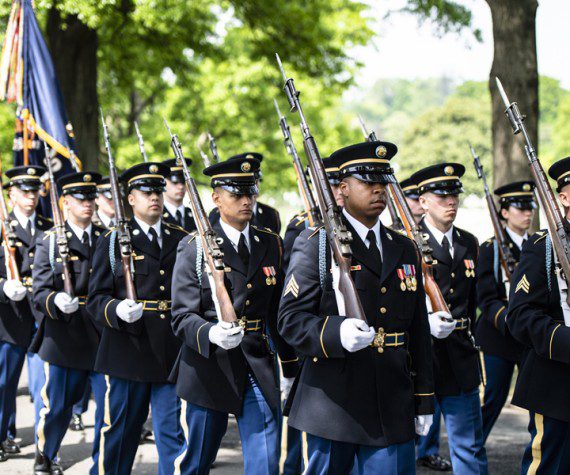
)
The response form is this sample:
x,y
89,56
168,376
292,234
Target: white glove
x,y
423,423
65,303
225,335
286,384
355,334
14,290
129,311
439,326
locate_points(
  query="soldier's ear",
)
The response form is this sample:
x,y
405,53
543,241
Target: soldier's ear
x,y
131,199
423,202
564,197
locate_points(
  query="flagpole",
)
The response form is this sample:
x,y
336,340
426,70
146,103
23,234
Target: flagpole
x,y
25,137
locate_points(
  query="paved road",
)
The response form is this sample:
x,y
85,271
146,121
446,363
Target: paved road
x,y
504,447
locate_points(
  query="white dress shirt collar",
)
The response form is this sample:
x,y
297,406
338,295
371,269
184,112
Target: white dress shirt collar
x,y
105,219
362,230
80,231
233,234
172,209
146,228
438,235
23,219
517,239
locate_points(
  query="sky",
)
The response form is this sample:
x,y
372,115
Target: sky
x,y
405,49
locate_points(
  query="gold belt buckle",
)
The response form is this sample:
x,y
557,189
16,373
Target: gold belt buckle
x,y
242,322
378,341
162,305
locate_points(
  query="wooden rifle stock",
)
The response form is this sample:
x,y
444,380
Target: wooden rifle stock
x,y
123,231
210,241
8,237
59,226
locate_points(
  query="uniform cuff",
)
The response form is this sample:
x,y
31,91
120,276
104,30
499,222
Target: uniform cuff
x,y
51,309
499,319
110,314
202,339
424,403
3,297
560,343
330,344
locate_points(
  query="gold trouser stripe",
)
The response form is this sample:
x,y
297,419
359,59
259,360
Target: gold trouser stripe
x,y
106,427
305,449
44,411
184,424
536,444
552,338
284,444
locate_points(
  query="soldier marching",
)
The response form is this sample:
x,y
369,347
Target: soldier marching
x,y
360,338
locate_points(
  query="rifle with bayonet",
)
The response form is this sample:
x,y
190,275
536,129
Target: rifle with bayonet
x,y
214,257
59,226
338,236
397,224
554,218
414,232
141,142
8,237
214,148
304,188
508,262
123,231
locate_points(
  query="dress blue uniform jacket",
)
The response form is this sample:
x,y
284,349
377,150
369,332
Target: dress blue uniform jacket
x,y
68,340
145,350
365,397
535,319
456,360
295,227
17,318
207,375
189,224
491,333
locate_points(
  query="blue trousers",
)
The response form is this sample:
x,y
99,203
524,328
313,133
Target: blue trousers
x,y
126,409
11,364
293,451
36,381
548,452
499,374
259,430
62,388
82,405
464,424
339,458
429,444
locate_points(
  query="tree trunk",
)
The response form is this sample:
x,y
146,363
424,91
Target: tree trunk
x,y
514,62
73,47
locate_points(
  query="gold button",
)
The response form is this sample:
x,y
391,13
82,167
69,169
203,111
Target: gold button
x,y
249,286
91,271
450,291
161,287
247,302
31,254
383,310
315,359
31,266
453,274
383,290
161,271
162,316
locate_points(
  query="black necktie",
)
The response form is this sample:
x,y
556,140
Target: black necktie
x,y
154,241
29,229
179,218
86,244
243,251
373,248
446,247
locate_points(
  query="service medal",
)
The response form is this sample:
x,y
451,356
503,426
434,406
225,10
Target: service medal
x,y
402,278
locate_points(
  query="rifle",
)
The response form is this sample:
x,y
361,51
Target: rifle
x,y
548,202
209,239
123,231
59,225
214,148
397,224
8,236
338,236
506,257
141,142
414,232
304,188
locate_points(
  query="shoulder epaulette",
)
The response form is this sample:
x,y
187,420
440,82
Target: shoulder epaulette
x,y
265,230
316,231
301,218
397,233
110,231
49,220
193,236
175,226
541,235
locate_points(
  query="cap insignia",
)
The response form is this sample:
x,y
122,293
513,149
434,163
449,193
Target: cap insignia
x,y
381,151
31,171
448,170
245,166
526,187
87,178
153,169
